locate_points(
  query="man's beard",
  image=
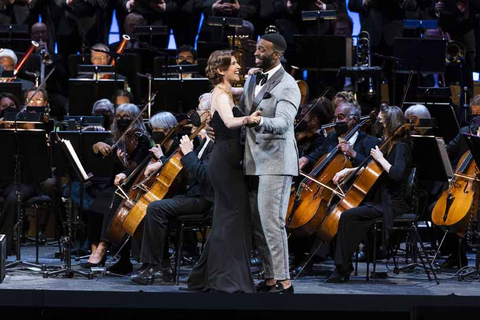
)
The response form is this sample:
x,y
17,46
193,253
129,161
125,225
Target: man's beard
x,y
267,62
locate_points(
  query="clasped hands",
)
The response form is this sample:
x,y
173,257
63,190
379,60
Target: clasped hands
x,y
253,119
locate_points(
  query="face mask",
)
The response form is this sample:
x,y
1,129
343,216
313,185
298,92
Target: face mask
x,y
195,119
341,128
123,124
9,109
158,136
183,62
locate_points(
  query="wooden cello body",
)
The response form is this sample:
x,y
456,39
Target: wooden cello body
x,y
454,207
363,184
309,204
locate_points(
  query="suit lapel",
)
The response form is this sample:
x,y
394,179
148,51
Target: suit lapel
x,y
250,94
271,83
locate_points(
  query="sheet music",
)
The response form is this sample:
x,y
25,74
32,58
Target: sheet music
x,y
72,152
445,158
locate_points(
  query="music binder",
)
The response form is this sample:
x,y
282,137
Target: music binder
x,y
427,150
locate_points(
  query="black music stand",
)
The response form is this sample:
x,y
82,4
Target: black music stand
x,y
322,59
154,35
83,93
224,22
319,16
418,26
24,163
14,88
178,95
473,232
177,71
72,167
427,151
414,56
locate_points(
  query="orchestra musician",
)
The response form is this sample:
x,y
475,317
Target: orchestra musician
x,y
8,103
357,148
125,162
100,57
388,199
197,199
8,61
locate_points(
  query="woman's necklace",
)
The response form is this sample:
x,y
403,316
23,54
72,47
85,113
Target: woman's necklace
x,y
227,92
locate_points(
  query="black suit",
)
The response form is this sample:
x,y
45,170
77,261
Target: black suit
x,y
362,146
198,200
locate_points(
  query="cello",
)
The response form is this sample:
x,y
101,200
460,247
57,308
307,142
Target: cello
x,y
361,187
308,206
454,207
115,232
157,186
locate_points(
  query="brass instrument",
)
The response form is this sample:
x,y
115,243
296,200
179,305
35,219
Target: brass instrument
x,y
121,47
455,52
364,58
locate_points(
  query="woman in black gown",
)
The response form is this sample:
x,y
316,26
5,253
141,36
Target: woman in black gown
x,y
388,198
225,262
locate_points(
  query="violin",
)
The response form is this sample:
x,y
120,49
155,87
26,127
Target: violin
x,y
128,145
454,207
308,206
361,187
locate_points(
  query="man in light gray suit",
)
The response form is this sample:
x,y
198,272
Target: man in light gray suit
x,y
271,158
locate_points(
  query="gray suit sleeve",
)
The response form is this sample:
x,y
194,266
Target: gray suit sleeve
x,y
284,115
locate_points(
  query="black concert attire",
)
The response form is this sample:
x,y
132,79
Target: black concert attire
x,y
362,146
248,11
225,262
198,199
388,201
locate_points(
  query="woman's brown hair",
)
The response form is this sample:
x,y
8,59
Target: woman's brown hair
x,y
218,60
394,119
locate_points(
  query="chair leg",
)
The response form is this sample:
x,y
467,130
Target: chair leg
x,y
374,275
179,248
356,263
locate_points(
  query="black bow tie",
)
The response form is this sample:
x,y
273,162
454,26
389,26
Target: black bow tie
x,y
261,78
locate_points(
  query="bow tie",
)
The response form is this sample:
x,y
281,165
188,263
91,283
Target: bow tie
x,y
261,78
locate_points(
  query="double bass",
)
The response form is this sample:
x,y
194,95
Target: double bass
x,y
308,206
361,187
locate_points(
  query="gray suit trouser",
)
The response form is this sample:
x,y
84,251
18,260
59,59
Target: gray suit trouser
x,y
269,207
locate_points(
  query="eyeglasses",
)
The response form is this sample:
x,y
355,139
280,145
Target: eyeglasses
x,y
38,100
342,116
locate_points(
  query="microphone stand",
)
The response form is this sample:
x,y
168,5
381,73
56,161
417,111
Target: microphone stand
x,y
17,177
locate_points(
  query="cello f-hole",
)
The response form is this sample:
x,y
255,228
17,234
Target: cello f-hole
x,y
465,188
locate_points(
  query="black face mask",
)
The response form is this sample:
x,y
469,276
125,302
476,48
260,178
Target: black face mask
x,y
9,109
123,124
341,128
158,136
183,62
195,119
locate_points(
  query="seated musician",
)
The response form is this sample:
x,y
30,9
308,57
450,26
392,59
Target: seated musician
x,y
104,108
40,99
387,201
8,60
8,103
421,112
131,21
125,162
308,132
357,148
455,246
186,54
198,199
100,57
122,96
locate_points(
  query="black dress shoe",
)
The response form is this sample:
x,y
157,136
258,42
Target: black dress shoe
x,y
339,276
278,288
303,269
88,265
262,287
122,267
151,273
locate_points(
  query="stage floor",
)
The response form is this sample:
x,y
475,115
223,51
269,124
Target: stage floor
x,y
401,295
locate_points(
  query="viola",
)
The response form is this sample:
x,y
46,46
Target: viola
x,y
361,187
454,207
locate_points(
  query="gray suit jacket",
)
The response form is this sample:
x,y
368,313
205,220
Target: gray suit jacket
x,y
271,149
